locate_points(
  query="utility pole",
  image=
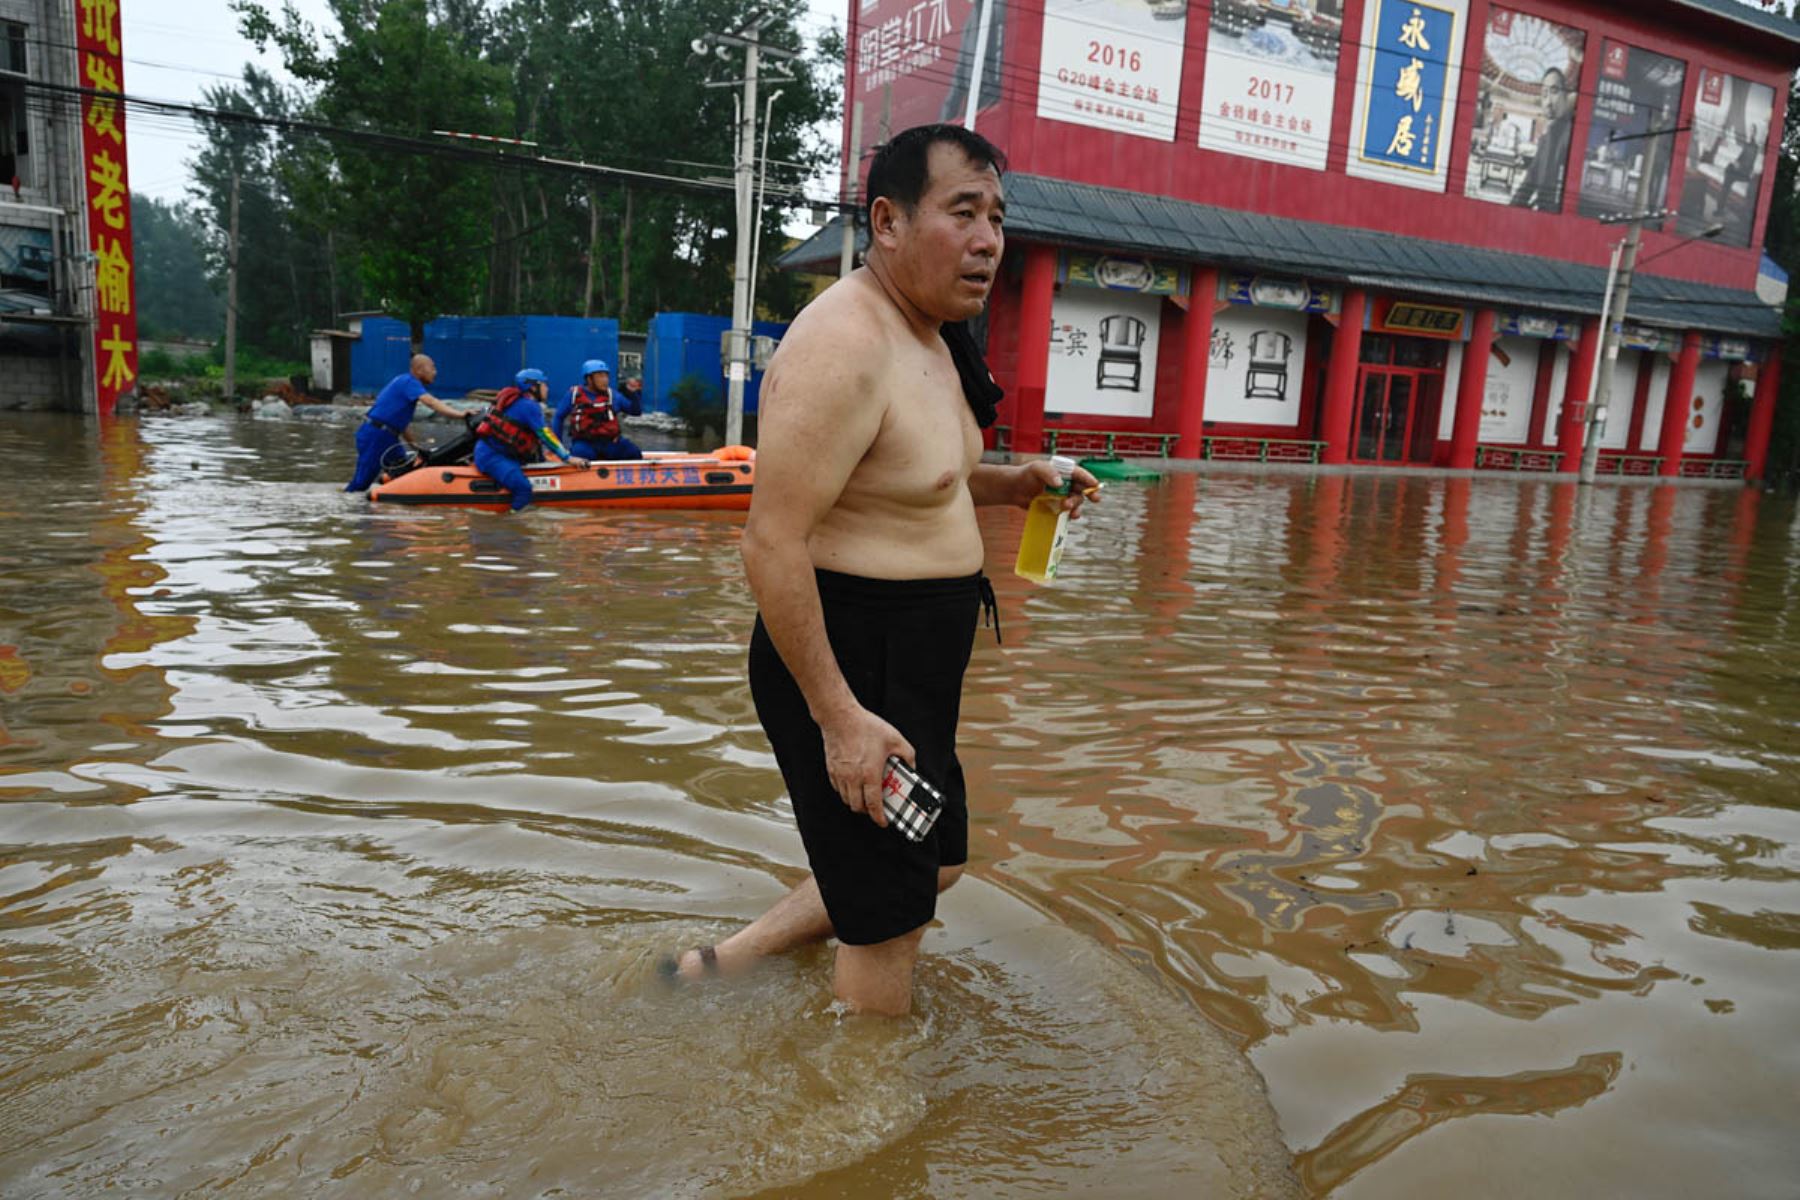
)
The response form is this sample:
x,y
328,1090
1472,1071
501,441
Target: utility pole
x,y
852,178
762,182
976,68
231,274
1612,327
743,284
587,295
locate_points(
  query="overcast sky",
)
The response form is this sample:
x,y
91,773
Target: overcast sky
x,y
175,49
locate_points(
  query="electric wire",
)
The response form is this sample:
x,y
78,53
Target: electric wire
x,y
57,99
172,115
1250,254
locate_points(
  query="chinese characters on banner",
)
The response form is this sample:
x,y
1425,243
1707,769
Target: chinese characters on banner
x,y
1637,91
1113,64
1270,84
108,200
1406,91
1524,111
915,60
1725,156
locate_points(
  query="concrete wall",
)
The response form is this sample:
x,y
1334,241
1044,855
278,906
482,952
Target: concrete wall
x,y
38,382
47,366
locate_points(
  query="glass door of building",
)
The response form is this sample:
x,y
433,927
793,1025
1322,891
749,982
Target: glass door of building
x,y
1396,415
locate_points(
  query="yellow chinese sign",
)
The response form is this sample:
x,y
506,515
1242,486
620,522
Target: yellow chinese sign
x,y
1424,320
108,199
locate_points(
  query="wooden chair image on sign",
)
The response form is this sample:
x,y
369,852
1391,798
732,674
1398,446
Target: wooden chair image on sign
x,y
1121,362
1269,354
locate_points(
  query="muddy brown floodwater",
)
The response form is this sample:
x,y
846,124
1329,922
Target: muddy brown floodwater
x,y
1350,836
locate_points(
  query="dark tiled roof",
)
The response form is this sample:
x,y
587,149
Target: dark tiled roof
x,y
1108,218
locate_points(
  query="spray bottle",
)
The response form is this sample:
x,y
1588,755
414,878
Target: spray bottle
x,y
1046,527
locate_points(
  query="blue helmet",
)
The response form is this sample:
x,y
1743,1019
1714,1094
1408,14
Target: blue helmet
x,y
530,375
594,364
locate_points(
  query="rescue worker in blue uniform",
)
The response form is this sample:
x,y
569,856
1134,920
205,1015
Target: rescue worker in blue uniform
x,y
589,417
631,396
514,432
385,426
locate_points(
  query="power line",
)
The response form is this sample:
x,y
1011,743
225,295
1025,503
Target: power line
x,y
68,95
54,95
57,101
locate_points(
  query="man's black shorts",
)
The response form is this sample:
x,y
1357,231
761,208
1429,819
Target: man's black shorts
x,y
903,646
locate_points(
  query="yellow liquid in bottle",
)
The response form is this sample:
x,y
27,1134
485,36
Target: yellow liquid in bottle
x,y
1041,545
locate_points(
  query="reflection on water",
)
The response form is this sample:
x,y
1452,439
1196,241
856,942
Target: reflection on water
x,y
336,845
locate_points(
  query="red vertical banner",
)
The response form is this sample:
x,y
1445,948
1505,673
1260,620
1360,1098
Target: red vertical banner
x,y
108,200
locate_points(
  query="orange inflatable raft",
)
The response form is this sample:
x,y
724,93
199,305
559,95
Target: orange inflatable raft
x,y
720,481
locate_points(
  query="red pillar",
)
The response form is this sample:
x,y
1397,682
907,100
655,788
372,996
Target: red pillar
x,y
1340,379
1676,404
1470,390
1762,413
1640,402
1196,357
1540,392
1572,423
1038,293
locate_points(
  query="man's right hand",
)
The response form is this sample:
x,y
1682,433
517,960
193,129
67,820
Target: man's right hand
x,y
857,745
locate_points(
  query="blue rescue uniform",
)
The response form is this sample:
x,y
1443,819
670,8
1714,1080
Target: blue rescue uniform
x,y
380,432
500,463
613,449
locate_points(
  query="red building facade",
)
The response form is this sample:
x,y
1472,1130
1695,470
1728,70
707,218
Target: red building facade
x,y
1362,231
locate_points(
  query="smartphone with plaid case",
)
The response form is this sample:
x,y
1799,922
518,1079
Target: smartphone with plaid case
x,y
913,805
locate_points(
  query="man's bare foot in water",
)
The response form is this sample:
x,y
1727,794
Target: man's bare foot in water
x,y
797,919
691,966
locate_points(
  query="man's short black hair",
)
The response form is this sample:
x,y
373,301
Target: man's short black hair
x,y
901,168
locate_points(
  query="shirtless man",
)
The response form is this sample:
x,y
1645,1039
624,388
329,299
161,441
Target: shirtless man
x,y
864,555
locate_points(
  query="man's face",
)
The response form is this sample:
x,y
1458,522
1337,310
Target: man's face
x,y
946,251
1556,95
425,371
598,381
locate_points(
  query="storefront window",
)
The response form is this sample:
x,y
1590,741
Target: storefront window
x,y
1425,353
1392,350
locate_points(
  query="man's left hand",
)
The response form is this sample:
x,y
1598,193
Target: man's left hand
x,y
578,462
1033,478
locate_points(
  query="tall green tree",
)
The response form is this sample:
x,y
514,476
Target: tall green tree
x,y
175,293
605,82
283,290
399,67
618,84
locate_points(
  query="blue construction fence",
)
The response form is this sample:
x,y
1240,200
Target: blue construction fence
x,y
682,344
482,352
486,352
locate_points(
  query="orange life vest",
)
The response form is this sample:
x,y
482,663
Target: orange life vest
x,y
514,438
591,417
